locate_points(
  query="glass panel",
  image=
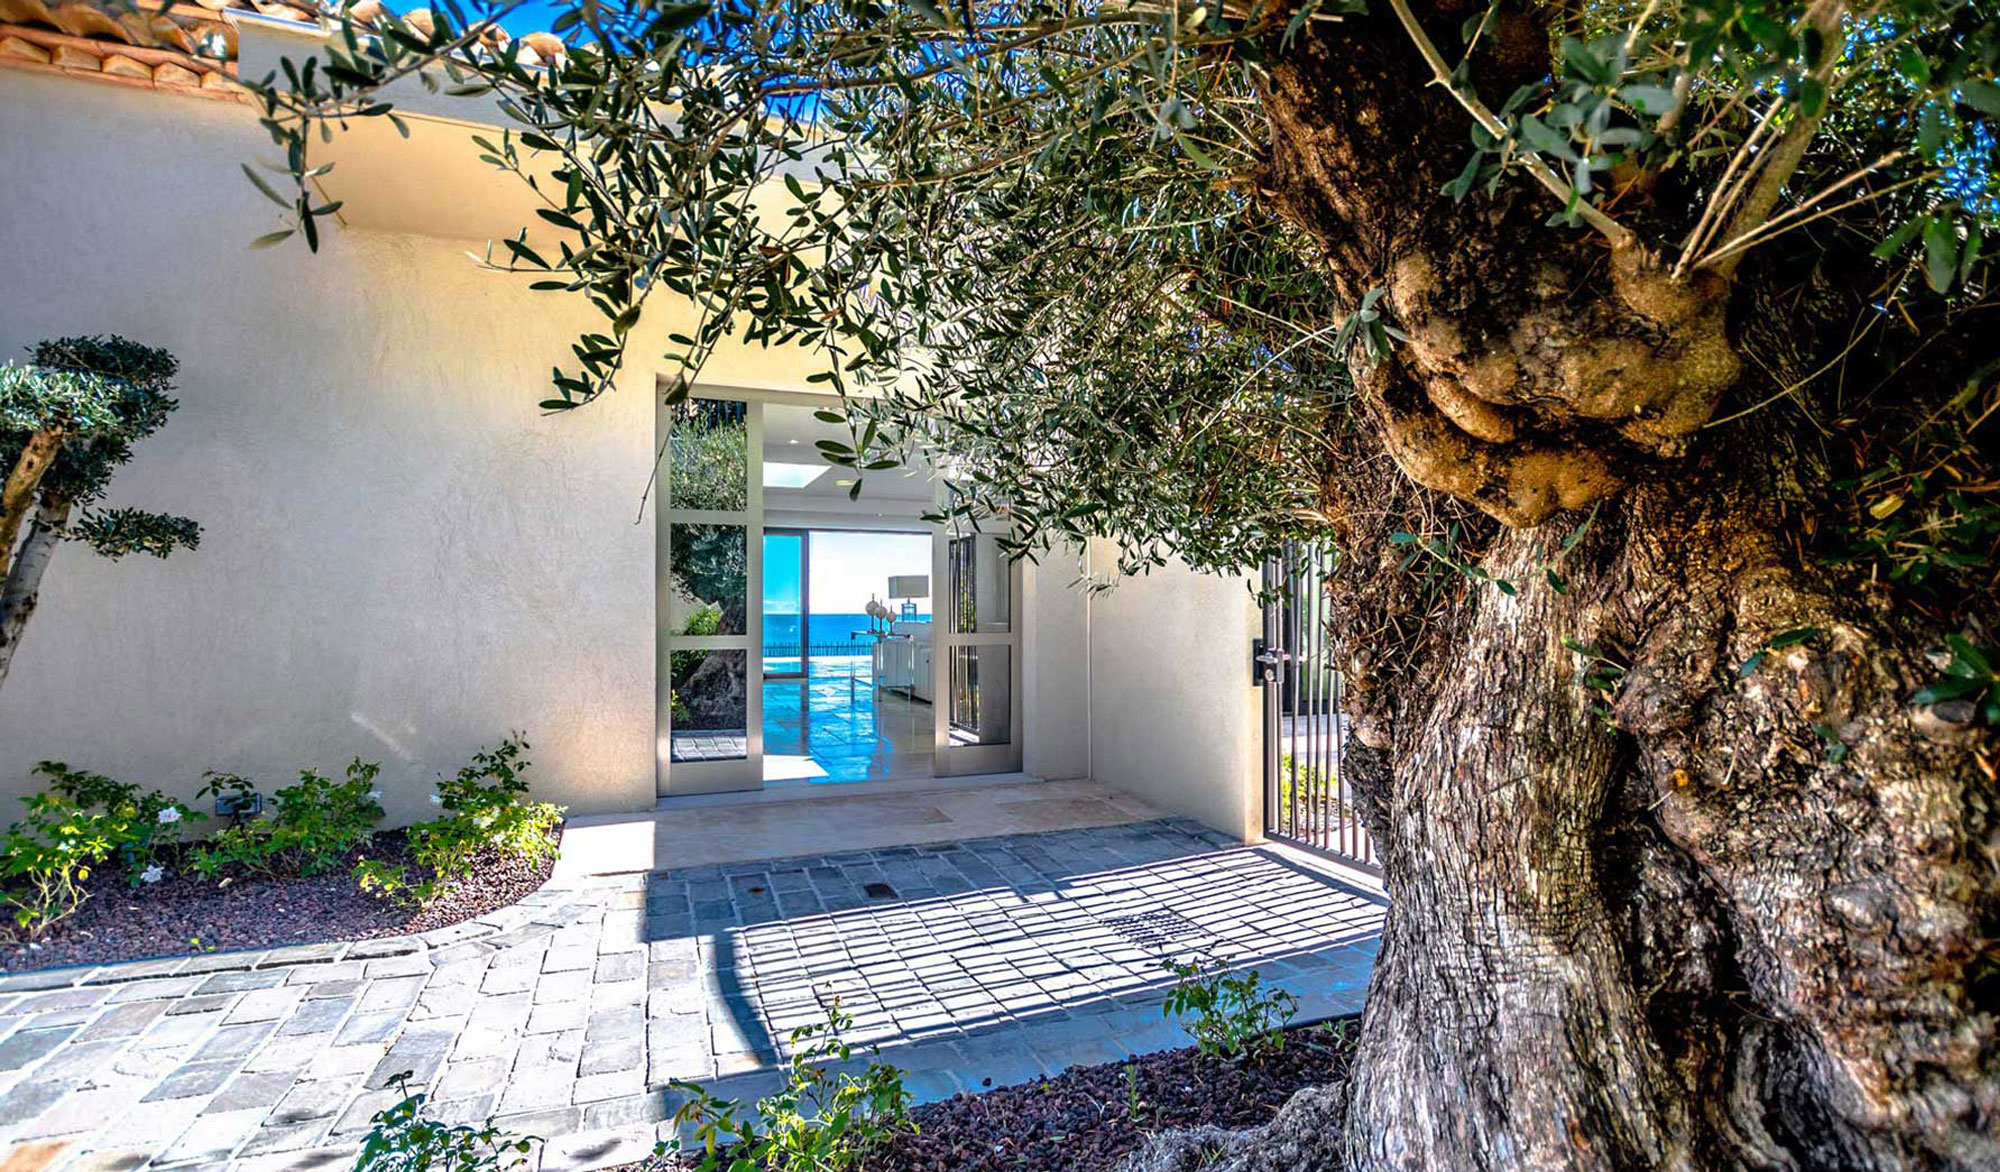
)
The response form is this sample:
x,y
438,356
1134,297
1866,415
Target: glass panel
x,y
982,695
784,603
710,705
708,456
979,577
710,579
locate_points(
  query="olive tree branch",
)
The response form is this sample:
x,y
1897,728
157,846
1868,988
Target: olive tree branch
x,y
1619,235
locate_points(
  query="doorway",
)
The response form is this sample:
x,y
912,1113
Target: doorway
x,y
847,663
795,636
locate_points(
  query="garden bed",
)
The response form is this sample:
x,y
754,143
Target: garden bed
x,y
1088,1118
184,913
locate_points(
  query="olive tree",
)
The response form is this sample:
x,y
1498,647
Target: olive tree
x,y
68,421
1638,359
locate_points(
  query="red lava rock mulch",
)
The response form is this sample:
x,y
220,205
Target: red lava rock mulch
x,y
185,913
1083,1120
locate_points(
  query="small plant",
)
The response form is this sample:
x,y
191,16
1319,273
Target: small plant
x,y
1968,675
1228,1016
826,1119
82,821
403,1139
484,814
311,830
1134,1106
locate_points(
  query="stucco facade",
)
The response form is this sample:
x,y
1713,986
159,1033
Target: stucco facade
x,y
402,558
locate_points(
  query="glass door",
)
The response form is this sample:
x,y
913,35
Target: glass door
x,y
710,555
787,585
977,668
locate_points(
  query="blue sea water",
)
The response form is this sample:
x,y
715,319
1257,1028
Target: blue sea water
x,y
830,633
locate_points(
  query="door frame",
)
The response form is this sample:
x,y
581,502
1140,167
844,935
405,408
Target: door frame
x,y
954,760
805,601
675,778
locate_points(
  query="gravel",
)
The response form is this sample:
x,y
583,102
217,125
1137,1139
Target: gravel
x,y
1088,1118
186,914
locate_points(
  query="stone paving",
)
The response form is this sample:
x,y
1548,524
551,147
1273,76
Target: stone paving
x,y
970,964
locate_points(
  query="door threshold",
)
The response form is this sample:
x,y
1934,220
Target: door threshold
x,y
806,790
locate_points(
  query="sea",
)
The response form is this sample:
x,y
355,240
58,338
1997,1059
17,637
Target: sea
x,y
832,634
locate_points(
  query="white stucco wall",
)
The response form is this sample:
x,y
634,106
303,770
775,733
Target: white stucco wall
x,y
402,558
1173,715
1055,650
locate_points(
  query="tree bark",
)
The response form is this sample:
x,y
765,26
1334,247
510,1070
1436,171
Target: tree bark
x,y
22,588
1686,915
17,494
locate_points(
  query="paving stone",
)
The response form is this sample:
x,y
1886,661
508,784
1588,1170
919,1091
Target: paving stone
x,y
318,974
412,965
175,987
369,1027
616,1084
620,966
234,1041
120,1159
28,1099
214,1136
477,1076
302,954
213,1003
240,982
615,1053
123,1021
194,1078
317,1017
262,1090
419,1053
600,1149
307,1102
357,1119
379,949
557,1016
270,1004
23,1047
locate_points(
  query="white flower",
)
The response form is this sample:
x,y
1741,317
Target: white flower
x,y
374,795
170,815
437,799
153,874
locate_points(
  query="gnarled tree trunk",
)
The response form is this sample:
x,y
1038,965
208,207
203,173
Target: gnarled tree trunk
x,y
1650,910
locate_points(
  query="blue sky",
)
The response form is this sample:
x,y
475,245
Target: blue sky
x,y
847,568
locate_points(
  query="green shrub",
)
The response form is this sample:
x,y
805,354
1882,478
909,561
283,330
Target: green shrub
x,y
484,814
82,821
826,1119
312,827
404,1140
1228,1016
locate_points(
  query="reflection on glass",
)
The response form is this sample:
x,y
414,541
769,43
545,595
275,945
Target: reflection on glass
x,y
710,707
710,579
982,695
784,604
978,585
708,456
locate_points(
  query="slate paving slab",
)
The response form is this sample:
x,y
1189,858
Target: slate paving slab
x,y
567,1016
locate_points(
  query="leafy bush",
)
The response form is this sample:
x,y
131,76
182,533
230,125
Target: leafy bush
x,y
312,828
826,1119
404,1140
1228,1016
81,821
484,814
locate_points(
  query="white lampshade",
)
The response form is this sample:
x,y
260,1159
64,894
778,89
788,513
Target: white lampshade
x,y
909,586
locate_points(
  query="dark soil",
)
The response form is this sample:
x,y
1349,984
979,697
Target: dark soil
x,y
185,913
1088,1118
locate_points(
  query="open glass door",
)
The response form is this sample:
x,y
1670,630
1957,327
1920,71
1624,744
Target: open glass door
x,y
709,708
977,668
787,586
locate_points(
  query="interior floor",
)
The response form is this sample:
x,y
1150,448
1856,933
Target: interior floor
x,y
833,724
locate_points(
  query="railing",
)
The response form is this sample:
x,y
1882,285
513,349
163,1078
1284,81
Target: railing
x,y
1306,800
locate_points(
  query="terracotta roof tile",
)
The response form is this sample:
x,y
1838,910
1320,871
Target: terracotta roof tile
x,y
187,46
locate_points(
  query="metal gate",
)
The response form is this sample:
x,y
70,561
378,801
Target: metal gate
x,y
1306,800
